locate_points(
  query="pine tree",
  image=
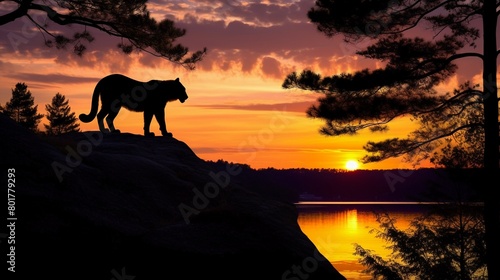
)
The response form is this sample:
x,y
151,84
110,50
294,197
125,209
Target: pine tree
x,y
61,119
22,109
406,84
445,243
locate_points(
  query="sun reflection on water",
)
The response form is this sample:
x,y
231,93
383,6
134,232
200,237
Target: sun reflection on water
x,y
352,220
335,231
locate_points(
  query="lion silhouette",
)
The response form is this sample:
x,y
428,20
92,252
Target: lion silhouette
x,y
117,91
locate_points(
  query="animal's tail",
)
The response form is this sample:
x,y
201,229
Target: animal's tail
x,y
93,111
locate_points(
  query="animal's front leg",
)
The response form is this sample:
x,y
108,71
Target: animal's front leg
x,y
160,118
147,121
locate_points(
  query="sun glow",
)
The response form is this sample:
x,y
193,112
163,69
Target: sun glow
x,y
352,164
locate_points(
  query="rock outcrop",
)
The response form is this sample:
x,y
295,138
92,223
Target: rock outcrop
x,y
124,206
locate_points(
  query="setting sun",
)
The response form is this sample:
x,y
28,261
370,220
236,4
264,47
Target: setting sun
x,y
352,164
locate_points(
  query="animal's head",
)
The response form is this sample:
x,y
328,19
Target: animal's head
x,y
179,91
172,90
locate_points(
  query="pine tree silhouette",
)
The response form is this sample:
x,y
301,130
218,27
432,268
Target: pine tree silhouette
x,y
22,109
61,119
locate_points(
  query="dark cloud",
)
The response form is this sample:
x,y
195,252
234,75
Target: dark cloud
x,y
242,36
300,107
266,14
250,12
268,37
50,78
250,149
271,67
212,150
242,45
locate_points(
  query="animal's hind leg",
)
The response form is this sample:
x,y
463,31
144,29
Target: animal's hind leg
x,y
109,120
100,120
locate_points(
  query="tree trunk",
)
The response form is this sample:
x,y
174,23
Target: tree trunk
x,y
491,133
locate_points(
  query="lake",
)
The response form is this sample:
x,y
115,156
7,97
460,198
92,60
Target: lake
x,y
334,227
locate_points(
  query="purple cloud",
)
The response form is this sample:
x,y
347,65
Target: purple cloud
x,y
50,78
297,107
270,38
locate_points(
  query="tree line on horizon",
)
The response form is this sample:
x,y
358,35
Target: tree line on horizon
x,y
22,109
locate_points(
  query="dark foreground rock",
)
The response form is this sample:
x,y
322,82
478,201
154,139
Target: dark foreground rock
x,y
123,206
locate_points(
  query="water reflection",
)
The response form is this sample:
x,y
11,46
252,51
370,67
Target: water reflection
x,y
335,228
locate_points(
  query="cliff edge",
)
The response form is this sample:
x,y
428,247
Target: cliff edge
x,y
123,206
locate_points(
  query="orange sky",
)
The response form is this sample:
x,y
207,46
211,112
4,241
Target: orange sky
x,y
237,110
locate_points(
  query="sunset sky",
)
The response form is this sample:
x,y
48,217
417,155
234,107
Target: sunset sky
x,y
237,110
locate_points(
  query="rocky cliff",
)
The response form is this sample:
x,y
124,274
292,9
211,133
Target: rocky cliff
x,y
123,206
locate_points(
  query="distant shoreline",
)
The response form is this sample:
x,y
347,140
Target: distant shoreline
x,y
377,203
372,205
